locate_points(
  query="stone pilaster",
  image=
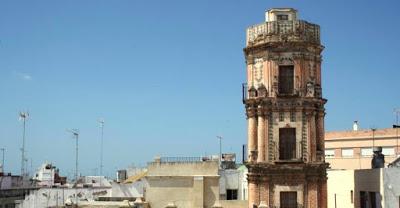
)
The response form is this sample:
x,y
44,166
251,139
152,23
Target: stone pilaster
x,y
321,131
270,137
312,138
312,189
253,194
323,196
264,192
266,139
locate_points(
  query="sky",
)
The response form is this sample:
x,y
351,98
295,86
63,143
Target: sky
x,y
166,75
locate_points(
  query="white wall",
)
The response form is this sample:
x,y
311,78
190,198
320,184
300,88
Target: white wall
x,y
46,197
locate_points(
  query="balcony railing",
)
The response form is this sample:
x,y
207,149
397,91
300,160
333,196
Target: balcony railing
x,y
297,30
297,206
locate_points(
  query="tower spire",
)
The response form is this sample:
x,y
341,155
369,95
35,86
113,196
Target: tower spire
x,y
285,112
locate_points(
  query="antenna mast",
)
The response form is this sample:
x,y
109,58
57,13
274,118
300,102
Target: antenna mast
x,y
101,122
23,116
75,133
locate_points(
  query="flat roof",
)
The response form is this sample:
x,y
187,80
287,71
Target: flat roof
x,y
361,134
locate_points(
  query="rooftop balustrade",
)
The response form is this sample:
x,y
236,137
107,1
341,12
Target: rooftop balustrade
x,y
275,31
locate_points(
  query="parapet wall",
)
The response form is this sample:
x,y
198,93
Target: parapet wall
x,y
206,168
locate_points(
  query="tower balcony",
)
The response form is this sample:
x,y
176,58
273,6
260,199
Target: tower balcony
x,y
250,92
283,31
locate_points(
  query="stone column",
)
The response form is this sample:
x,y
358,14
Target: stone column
x,y
251,135
261,136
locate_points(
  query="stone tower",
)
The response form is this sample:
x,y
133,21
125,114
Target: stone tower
x,y
285,113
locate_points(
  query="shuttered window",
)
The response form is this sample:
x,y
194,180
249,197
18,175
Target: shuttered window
x,y
286,79
287,143
288,199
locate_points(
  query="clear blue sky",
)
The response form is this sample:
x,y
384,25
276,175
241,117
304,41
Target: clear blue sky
x,y
166,75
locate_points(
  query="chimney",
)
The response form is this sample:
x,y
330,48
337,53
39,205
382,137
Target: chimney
x,y
355,126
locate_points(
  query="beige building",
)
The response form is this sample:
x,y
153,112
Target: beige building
x,y
353,149
182,184
368,188
185,183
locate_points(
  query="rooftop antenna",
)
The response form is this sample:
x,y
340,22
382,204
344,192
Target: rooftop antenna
x,y
101,122
31,169
26,167
373,129
23,116
220,149
75,134
2,164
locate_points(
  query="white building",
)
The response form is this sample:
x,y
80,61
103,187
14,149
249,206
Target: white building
x,y
233,183
45,175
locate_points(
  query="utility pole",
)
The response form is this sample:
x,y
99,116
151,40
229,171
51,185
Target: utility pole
x,y
373,138
23,116
397,126
75,133
220,150
31,169
2,163
101,122
26,167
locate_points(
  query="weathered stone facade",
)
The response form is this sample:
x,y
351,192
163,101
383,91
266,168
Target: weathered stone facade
x,y
285,113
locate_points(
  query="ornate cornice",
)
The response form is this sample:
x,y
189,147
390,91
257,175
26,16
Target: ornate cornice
x,y
302,49
276,55
286,104
301,170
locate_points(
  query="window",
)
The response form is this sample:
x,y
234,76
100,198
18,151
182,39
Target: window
x,y
287,143
288,199
231,194
363,199
282,17
281,116
388,150
286,79
292,116
372,197
366,152
368,199
347,152
329,153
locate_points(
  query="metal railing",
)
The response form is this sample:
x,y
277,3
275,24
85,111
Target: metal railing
x,y
182,159
304,31
297,206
